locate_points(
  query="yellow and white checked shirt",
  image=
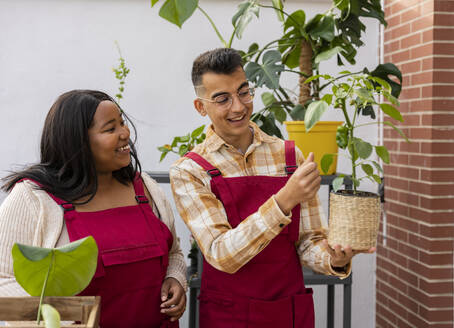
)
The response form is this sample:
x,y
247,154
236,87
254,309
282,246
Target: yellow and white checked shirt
x,y
228,249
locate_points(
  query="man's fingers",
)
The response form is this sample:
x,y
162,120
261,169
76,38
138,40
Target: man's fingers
x,y
309,158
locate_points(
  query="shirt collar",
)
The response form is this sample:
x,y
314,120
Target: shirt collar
x,y
213,141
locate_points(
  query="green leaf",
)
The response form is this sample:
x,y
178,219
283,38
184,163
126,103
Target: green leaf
x,y
383,71
364,94
338,182
397,129
378,167
279,7
324,28
368,169
198,131
363,148
376,178
268,98
178,11
382,152
296,20
328,98
268,73
313,77
392,112
385,85
327,54
153,2
71,267
185,138
314,112
163,155
244,15
326,162
279,113
352,151
51,316
298,112
183,149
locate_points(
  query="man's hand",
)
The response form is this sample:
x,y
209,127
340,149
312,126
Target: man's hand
x,y
341,256
302,186
173,299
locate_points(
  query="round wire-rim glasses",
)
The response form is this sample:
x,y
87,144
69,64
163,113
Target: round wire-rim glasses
x,y
225,100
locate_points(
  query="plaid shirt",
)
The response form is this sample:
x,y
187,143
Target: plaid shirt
x,y
228,249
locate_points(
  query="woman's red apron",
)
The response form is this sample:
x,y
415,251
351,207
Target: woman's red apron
x,y
268,291
133,258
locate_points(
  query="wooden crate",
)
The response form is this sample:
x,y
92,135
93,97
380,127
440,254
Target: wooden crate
x,y
22,311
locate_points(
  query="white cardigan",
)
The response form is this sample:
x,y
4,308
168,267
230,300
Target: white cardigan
x,y
30,216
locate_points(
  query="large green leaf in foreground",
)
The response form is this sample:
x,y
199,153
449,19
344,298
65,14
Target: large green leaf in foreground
x,y
69,269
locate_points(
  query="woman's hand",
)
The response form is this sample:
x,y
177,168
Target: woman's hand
x,y
173,299
341,256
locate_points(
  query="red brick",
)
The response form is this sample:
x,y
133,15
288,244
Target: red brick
x,y
408,303
431,245
400,56
411,40
438,119
430,273
408,172
422,51
427,36
437,204
387,314
422,23
437,147
442,90
387,265
412,119
411,14
430,189
437,176
444,6
400,31
393,21
411,93
409,251
444,104
422,78
397,308
416,321
397,258
421,105
444,19
435,259
443,34
439,231
398,158
432,162
403,324
410,147
436,315
436,287
443,48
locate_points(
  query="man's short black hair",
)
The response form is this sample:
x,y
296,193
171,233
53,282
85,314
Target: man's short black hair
x,y
219,61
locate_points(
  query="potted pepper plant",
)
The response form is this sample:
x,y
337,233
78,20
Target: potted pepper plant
x,y
355,214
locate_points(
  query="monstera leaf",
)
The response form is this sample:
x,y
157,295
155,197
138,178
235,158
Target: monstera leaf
x,y
63,271
177,11
267,73
243,17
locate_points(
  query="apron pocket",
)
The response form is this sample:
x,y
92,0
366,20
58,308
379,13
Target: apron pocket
x,y
215,310
270,314
304,309
130,254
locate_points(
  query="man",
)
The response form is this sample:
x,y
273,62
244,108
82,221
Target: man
x,y
250,201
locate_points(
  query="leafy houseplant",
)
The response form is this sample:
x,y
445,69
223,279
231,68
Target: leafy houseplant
x,y
355,214
304,44
53,272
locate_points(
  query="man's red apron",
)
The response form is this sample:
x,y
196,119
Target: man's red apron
x,y
268,291
133,258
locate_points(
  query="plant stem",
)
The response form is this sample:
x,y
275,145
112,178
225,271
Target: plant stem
x,y
214,26
44,287
337,78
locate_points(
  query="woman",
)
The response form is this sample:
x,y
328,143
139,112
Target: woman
x,y
89,182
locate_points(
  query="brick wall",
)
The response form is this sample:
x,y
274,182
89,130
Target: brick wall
x,y
415,262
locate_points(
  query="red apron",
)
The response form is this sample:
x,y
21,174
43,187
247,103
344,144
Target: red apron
x,y
268,291
133,258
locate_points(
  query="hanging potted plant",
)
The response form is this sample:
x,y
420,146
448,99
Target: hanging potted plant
x,y
355,214
53,276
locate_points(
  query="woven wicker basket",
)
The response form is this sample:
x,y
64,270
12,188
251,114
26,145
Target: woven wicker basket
x,y
354,219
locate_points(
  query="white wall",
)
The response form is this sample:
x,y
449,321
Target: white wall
x,y
48,47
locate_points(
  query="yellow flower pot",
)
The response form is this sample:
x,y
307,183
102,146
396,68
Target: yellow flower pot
x,y
320,140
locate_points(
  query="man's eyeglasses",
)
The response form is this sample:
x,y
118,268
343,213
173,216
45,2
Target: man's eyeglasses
x,y
225,101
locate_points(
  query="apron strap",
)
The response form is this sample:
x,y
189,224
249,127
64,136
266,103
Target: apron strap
x,y
67,206
139,190
219,184
290,157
